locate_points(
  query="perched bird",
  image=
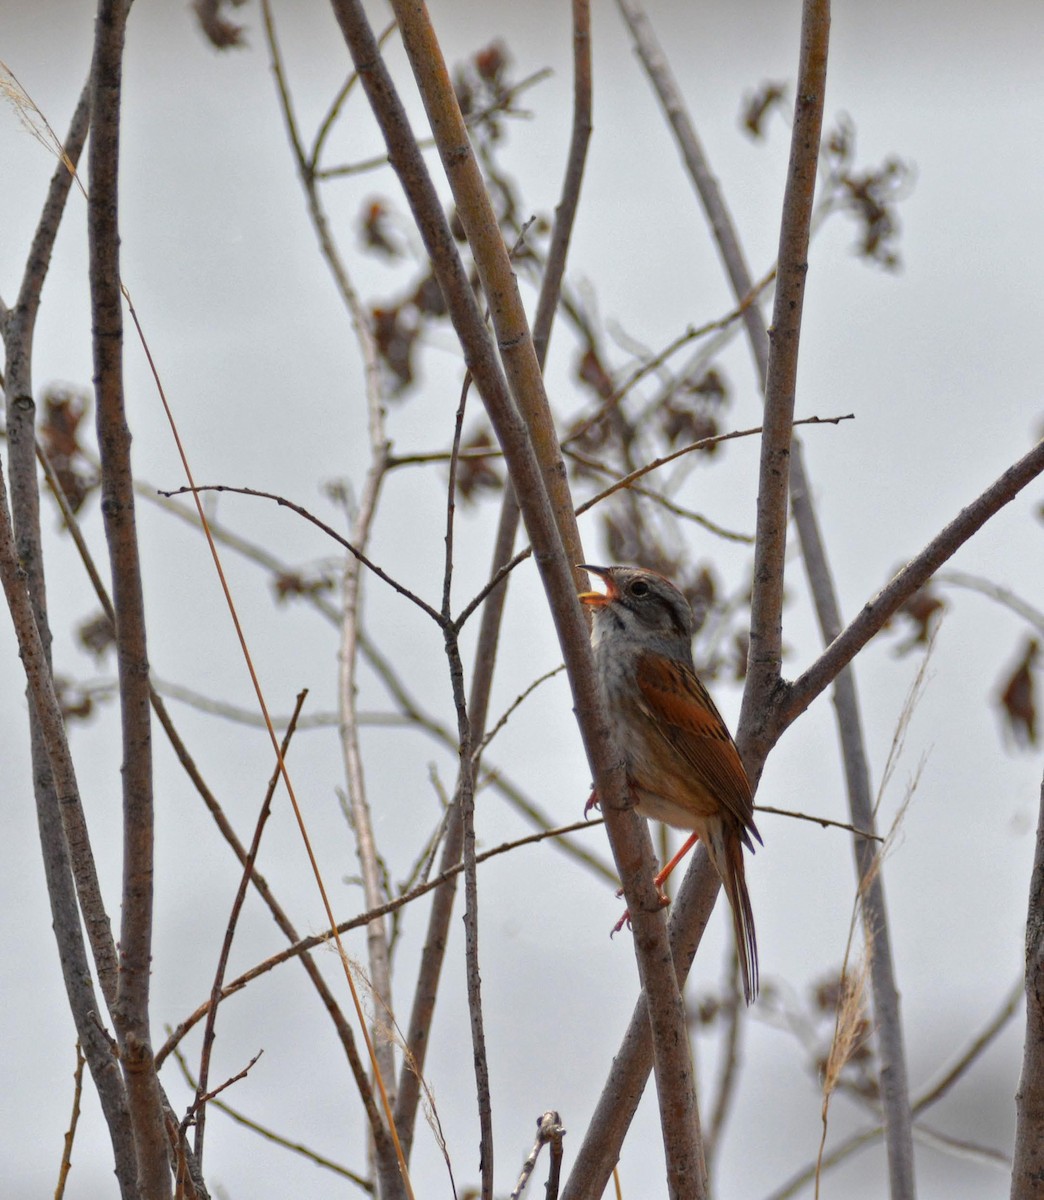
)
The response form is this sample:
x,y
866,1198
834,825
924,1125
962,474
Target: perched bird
x,y
682,764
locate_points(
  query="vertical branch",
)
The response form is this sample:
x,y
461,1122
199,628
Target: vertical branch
x,y
199,1107
895,1090
604,1137
57,796
755,737
628,834
131,1011
493,608
766,615
18,329
430,970
366,847
499,283
73,889
1028,1168
464,803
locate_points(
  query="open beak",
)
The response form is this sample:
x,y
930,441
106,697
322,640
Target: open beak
x,y
597,599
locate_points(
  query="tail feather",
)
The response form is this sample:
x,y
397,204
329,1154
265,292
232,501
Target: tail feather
x,y
725,847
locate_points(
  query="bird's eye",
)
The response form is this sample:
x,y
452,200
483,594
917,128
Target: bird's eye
x,y
640,588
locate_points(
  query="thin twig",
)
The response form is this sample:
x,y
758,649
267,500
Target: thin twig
x,y
70,1134
206,1097
301,511
1028,1166
825,822
362,525
271,1136
845,1148
995,591
304,945
549,1132
465,800
199,1107
514,705
500,105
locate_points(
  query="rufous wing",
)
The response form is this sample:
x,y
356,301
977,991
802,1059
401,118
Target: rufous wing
x,y
683,713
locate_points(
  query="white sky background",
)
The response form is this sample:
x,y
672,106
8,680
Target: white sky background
x,y
941,364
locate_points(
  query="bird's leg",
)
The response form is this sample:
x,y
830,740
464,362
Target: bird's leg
x,y
660,879
664,872
592,802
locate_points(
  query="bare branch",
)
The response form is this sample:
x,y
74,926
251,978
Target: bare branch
x,y
301,511
1029,1101
270,1135
845,644
304,945
549,1131
74,1120
199,1106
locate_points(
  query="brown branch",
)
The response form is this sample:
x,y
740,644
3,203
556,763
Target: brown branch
x,y
877,611
69,866
556,559
340,539
304,945
1028,1167
329,1001
630,839
131,1011
625,1082
825,822
271,1136
70,1135
780,380
199,1106
362,826
464,801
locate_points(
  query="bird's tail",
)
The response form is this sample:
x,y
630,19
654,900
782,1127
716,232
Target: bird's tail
x,y
725,847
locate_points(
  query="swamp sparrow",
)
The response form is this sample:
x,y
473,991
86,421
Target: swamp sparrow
x,y
682,764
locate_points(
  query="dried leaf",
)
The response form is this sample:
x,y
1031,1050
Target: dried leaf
x,y
477,474
293,583
219,32
64,410
1018,699
395,337
590,371
758,105
375,228
74,700
97,635
923,610
428,298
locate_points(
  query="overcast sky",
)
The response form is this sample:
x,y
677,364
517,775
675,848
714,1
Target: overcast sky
x,y
941,364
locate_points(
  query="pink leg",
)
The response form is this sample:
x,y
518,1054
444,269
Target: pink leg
x,y
662,877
